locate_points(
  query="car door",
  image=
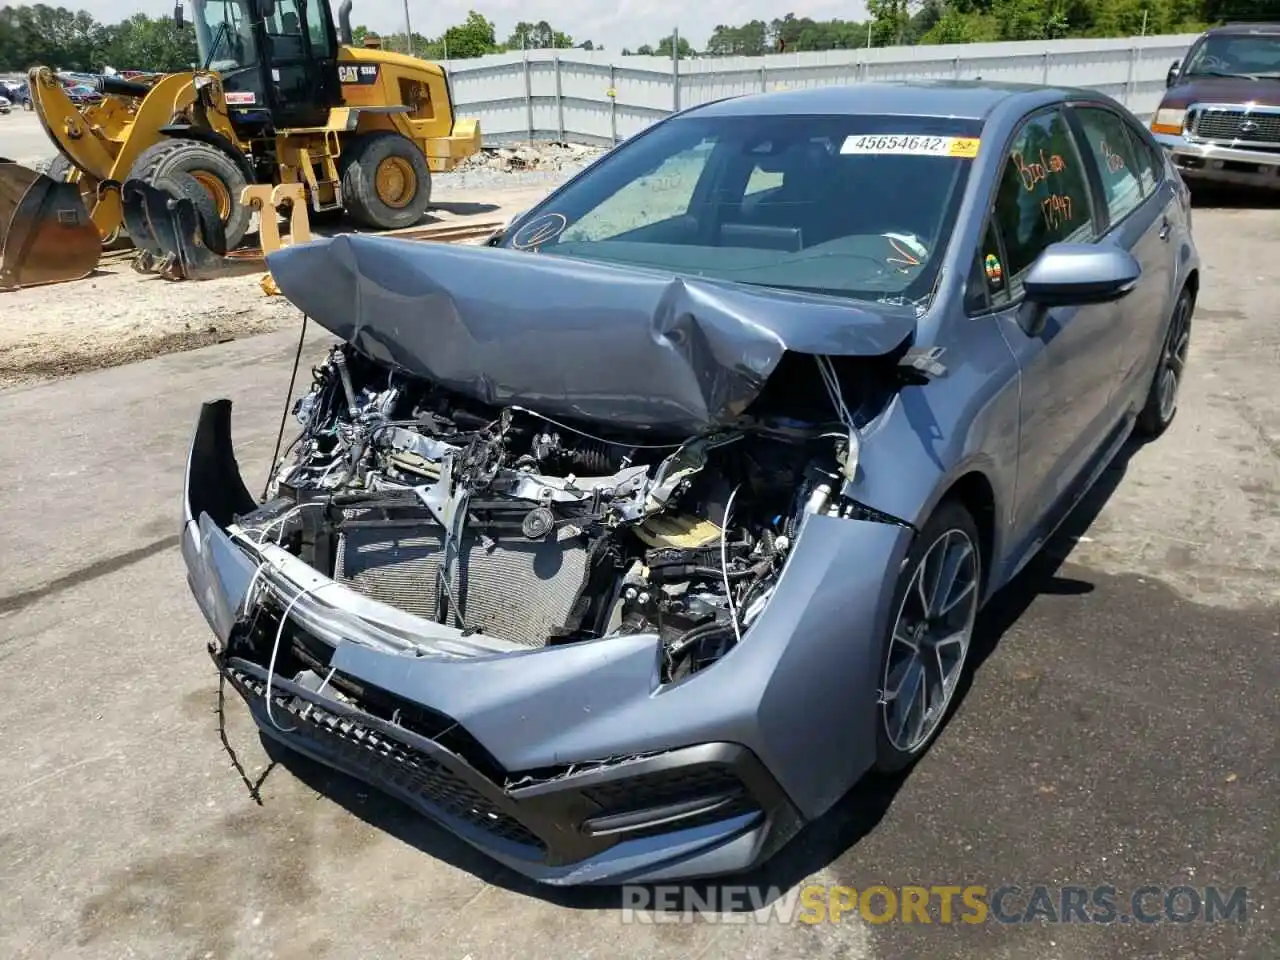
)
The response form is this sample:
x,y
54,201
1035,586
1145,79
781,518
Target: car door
x,y
1069,368
1140,206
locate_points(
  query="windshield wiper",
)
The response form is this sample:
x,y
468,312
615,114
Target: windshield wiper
x,y
1226,73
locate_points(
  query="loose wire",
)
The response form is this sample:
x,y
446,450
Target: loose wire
x,y
284,414
724,564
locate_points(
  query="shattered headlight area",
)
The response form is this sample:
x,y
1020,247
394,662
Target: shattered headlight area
x,y
507,525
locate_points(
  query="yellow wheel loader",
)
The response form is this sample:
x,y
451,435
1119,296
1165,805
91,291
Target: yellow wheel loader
x,y
282,97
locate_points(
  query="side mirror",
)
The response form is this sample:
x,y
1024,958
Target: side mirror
x,y
1172,77
179,21
1075,275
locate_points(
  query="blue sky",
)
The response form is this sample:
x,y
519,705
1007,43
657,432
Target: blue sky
x,y
622,23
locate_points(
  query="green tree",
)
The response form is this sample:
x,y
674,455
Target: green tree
x,y
751,39
537,36
664,48
474,37
49,36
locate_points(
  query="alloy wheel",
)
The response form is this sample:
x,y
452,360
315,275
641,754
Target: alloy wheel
x,y
1173,359
930,641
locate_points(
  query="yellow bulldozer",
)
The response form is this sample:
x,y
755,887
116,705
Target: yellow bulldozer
x,y
282,97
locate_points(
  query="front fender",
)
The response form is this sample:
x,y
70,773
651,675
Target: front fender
x,y
931,435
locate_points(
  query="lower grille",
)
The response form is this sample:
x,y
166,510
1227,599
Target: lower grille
x,y
688,784
385,762
512,588
1236,126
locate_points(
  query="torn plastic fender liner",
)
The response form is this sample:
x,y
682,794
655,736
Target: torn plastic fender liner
x,y
630,347
218,573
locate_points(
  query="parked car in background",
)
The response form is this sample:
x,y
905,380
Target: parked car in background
x,y
80,93
6,104
1220,116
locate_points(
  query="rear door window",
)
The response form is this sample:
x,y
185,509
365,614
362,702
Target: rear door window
x,y
1107,138
1043,197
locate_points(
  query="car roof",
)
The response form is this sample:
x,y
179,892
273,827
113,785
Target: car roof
x,y
1245,28
962,99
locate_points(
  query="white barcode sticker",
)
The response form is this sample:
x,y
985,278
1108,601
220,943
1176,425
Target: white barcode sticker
x,y
910,144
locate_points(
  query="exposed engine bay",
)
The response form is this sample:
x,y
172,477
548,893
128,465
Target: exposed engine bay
x,y
502,522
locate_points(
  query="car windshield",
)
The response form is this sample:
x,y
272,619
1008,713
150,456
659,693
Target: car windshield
x,y
224,36
853,206
1225,55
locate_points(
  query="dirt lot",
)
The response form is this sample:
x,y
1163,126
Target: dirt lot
x,y
1120,728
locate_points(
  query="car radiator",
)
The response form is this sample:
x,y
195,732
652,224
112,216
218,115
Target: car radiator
x,y
510,587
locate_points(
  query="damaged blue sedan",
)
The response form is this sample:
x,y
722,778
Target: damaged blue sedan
x,y
624,545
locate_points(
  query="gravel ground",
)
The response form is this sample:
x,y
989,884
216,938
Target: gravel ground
x,y
544,165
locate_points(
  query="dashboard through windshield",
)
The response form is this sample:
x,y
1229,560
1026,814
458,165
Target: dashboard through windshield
x,y
853,206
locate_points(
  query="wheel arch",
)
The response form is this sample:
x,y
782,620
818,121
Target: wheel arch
x,y
974,491
1192,284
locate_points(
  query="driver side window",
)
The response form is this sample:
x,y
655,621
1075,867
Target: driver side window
x,y
1043,196
661,194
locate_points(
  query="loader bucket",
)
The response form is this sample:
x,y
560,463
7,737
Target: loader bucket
x,y
171,239
46,235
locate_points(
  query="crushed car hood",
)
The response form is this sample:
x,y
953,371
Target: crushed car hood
x,y
638,349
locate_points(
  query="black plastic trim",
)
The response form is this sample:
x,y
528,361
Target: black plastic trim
x,y
214,483
568,824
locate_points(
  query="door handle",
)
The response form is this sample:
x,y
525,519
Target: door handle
x,y
1165,227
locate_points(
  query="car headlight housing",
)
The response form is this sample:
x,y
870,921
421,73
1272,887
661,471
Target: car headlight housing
x,y
1168,120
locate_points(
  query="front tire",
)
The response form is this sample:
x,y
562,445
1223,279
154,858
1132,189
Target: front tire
x,y
927,642
386,183
219,175
1162,397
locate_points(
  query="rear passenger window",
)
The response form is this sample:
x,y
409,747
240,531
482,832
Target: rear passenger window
x,y
1106,136
1043,196
1150,164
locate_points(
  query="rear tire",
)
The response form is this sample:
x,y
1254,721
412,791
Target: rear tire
x,y
218,174
1166,380
386,183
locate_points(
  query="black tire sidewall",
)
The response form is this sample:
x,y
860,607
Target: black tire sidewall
x,y
949,515
1150,424
359,195
189,156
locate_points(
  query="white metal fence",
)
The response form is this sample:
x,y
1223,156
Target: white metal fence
x,y
601,98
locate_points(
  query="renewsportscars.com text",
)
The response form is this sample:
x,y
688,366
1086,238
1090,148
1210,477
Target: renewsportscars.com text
x,y
936,903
